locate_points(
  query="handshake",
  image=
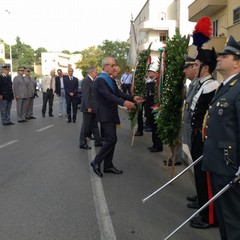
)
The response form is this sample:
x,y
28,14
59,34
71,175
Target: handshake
x,y
131,105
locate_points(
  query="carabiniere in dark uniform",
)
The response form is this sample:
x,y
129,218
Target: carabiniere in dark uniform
x,y
221,153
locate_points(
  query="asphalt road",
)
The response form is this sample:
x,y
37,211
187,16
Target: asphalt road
x,y
48,191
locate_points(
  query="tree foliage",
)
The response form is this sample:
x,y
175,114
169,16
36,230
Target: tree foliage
x,y
38,55
22,55
170,115
116,49
91,56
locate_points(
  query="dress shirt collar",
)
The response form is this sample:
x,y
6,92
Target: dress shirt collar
x,y
228,79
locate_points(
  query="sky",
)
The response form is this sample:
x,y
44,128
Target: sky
x,y
72,25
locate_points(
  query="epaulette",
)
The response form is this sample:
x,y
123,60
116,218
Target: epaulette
x,y
233,83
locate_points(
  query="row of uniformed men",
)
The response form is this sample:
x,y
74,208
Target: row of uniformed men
x,y
22,88
215,136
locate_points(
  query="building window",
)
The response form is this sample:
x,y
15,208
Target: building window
x,y
236,15
215,28
163,37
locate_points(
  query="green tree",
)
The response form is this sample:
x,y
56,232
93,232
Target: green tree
x,y
22,55
116,49
91,56
66,51
169,118
38,55
1,61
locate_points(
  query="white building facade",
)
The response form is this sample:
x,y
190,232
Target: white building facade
x,y
54,60
158,20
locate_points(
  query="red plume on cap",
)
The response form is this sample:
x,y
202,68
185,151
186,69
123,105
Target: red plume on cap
x,y
202,31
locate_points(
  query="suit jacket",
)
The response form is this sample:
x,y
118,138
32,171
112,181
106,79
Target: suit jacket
x,y
6,90
20,87
58,85
70,85
30,86
222,140
108,101
88,95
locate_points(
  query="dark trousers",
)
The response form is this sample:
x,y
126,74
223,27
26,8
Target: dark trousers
x,y
71,104
140,121
157,143
202,181
227,207
89,126
106,152
48,98
126,88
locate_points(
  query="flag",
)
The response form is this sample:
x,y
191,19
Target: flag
x,y
132,54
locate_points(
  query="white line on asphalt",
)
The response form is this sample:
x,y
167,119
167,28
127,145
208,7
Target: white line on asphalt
x,y
42,129
103,216
8,143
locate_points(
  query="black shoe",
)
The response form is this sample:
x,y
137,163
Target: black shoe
x,y
8,124
96,169
193,205
50,115
74,121
148,129
192,198
156,150
113,170
138,134
149,148
69,120
21,121
85,147
32,117
98,145
198,223
43,115
170,163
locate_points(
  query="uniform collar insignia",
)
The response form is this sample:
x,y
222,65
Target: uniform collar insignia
x,y
233,82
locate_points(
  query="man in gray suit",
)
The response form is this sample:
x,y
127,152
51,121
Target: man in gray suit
x,y
20,89
221,152
31,94
89,123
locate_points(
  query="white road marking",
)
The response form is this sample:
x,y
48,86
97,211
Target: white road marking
x,y
103,216
42,129
8,143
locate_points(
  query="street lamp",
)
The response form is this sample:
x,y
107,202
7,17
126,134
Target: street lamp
x,y
10,48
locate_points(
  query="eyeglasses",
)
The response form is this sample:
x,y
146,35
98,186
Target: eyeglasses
x,y
28,71
112,65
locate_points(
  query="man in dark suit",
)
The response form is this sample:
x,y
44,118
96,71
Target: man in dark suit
x,y
60,91
221,152
6,95
71,89
108,97
89,109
